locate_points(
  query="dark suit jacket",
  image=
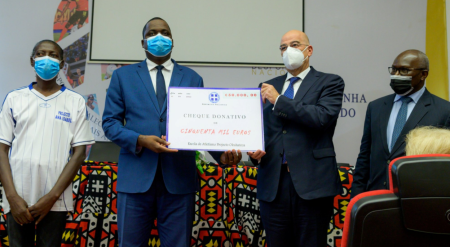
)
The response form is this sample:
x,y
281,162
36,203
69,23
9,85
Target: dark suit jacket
x,y
371,171
131,97
304,128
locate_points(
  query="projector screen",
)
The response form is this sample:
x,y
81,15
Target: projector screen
x,y
232,32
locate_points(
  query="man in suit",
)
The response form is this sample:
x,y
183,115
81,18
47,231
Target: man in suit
x,y
153,181
298,177
390,118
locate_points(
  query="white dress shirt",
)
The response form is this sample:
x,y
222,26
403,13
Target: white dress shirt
x,y
166,71
396,107
296,85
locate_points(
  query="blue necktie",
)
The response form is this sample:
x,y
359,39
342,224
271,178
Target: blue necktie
x,y
290,90
290,94
160,87
401,120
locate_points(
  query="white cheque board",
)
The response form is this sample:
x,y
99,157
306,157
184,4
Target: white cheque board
x,y
215,119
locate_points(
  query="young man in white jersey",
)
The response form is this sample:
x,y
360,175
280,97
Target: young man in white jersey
x,y
39,124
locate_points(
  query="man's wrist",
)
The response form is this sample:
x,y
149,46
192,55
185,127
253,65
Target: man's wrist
x,y
10,196
139,140
139,144
53,195
275,102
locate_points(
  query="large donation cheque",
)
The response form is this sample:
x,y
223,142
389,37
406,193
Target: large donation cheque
x,y
215,119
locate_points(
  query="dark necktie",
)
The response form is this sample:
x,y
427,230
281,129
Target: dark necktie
x,y
401,120
290,94
160,87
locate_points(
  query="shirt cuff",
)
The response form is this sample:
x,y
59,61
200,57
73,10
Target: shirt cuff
x,y
275,102
138,149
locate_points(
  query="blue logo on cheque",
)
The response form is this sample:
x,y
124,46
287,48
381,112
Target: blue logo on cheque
x,y
214,97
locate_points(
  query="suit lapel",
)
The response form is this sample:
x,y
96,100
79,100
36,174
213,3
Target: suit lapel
x,y
147,81
309,80
420,110
385,114
278,85
175,81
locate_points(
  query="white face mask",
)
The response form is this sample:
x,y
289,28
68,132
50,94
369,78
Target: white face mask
x,y
293,58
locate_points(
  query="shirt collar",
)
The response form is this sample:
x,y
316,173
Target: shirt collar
x,y
302,75
415,96
168,65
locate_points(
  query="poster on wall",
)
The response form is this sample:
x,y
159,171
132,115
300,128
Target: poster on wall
x,y
75,65
70,16
108,69
95,121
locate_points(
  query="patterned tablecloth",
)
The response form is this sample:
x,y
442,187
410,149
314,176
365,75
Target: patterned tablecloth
x,y
226,209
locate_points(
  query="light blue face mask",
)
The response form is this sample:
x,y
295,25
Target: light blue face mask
x,y
159,45
46,67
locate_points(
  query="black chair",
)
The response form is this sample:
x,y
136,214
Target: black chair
x,y
104,151
414,212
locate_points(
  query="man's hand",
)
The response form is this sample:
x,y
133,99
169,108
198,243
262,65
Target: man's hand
x,y
231,157
256,155
42,207
155,144
269,92
19,210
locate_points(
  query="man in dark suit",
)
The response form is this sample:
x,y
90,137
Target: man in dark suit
x,y
153,181
390,118
298,177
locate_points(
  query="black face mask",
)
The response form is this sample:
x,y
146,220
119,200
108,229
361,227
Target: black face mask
x,y
401,84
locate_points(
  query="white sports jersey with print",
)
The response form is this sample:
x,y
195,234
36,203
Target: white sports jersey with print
x,y
41,131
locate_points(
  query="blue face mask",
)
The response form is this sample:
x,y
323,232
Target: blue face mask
x,y
159,45
46,67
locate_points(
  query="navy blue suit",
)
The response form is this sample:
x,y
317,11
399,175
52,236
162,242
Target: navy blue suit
x,y
164,182
303,127
371,172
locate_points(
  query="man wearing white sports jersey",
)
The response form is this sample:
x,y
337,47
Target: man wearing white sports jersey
x,y
39,124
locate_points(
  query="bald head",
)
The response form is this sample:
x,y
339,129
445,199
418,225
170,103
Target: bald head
x,y
297,40
414,57
295,35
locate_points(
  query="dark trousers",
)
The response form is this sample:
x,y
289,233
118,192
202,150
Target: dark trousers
x,y
292,221
137,211
48,232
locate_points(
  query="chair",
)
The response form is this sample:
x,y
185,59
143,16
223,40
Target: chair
x,y
414,212
104,151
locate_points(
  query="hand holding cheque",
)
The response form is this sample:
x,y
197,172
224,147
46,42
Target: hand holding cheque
x,y
269,92
156,144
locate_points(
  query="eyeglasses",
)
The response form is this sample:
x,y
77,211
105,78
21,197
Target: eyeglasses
x,y
402,71
293,45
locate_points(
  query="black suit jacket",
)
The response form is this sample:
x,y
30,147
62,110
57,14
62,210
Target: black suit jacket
x,y
304,128
372,165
